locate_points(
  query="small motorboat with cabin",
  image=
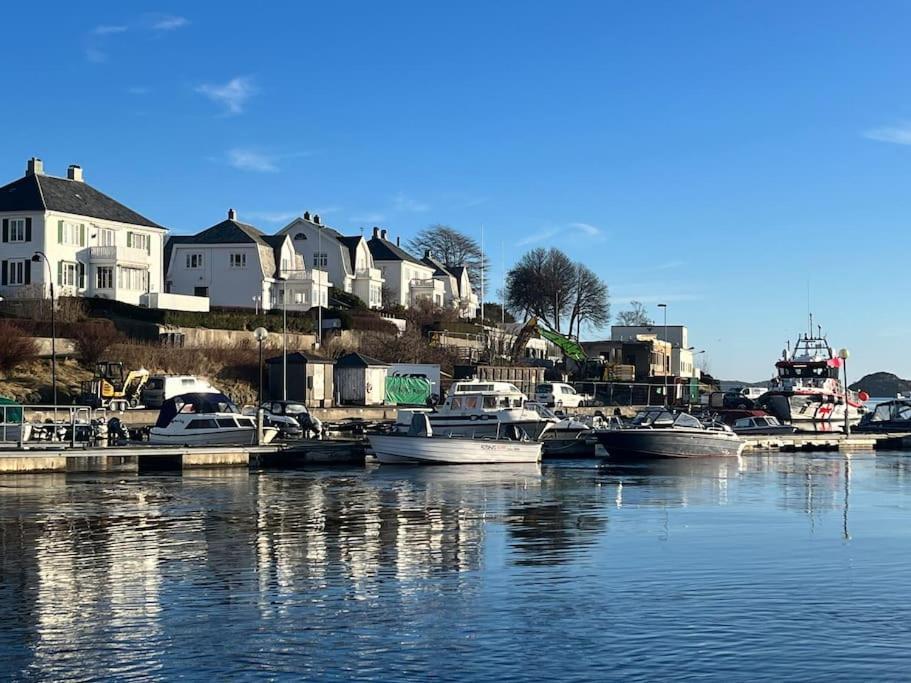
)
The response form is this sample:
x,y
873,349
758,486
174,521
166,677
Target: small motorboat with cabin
x,y
481,408
887,417
761,425
419,445
205,419
808,392
656,432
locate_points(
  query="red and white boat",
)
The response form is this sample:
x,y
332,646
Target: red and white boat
x,y
808,392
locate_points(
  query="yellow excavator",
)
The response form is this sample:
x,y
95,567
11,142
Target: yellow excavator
x,y
110,388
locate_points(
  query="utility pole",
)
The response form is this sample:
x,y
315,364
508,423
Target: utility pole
x,y
667,361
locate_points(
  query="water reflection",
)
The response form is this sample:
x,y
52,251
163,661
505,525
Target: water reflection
x,y
358,573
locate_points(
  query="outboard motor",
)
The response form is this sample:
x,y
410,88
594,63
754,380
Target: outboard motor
x,y
117,431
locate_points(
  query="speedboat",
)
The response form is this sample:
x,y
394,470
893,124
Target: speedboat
x,y
808,392
574,437
479,408
761,425
421,446
656,432
205,419
889,416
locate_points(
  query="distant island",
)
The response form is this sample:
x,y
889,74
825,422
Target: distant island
x,y
882,384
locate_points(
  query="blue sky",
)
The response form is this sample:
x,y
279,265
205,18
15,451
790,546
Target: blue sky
x,y
722,157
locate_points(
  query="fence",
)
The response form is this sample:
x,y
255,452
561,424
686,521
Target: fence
x,y
635,393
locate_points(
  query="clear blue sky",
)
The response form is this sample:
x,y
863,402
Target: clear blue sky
x,y
722,157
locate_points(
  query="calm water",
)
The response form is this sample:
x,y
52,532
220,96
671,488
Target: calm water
x,y
764,568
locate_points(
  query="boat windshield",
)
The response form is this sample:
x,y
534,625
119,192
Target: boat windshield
x,y
687,420
653,417
541,409
892,410
807,370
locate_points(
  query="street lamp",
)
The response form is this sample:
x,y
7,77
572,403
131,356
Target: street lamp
x,y
37,258
667,364
260,334
843,354
256,300
284,338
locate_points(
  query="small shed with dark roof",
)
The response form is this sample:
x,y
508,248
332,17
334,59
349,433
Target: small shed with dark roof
x,y
360,380
310,379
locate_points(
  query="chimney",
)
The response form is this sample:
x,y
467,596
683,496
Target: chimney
x,y
383,234
306,215
428,253
74,172
398,241
376,231
316,218
232,215
35,167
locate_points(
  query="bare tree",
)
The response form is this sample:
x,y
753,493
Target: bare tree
x,y
590,301
452,248
635,316
542,284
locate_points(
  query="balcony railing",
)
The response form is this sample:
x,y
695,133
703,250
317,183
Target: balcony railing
x,y
369,273
426,283
118,254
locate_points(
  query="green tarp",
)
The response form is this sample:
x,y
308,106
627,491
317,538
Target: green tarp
x,y
407,391
10,411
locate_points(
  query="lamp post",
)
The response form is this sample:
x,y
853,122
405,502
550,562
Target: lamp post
x,y
843,354
256,300
260,334
667,364
37,258
319,286
284,340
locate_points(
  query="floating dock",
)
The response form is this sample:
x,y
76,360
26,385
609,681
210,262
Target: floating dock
x,y
827,442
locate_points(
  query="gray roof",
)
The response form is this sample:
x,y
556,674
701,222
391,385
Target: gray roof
x,y
231,231
438,266
359,360
49,193
384,250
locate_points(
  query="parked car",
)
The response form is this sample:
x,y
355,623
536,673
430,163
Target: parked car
x,y
560,395
160,388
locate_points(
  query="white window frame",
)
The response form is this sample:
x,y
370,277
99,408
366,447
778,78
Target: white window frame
x,y
106,237
71,234
195,260
17,230
110,277
142,241
69,274
16,272
320,259
238,260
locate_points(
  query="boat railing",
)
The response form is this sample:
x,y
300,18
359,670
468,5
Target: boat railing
x,y
49,423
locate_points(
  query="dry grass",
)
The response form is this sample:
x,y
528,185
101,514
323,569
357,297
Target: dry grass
x,y
16,349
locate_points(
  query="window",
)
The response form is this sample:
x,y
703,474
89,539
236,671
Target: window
x,y
194,260
300,236
104,277
132,278
139,240
17,230
71,233
68,274
226,422
19,272
238,260
200,291
202,424
106,238
284,265
320,259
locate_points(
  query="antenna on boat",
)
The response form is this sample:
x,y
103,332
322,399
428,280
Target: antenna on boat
x,y
811,326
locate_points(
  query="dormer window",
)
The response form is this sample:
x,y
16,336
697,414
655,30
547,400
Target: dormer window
x,y
300,236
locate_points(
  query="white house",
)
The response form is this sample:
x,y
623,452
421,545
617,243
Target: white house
x,y
407,279
95,246
346,259
236,265
457,290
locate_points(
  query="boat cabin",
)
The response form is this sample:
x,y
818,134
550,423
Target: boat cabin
x,y
478,397
899,409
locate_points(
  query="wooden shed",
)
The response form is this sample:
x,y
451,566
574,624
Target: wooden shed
x,y
310,379
360,380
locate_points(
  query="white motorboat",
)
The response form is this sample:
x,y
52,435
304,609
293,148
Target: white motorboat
x,y
205,419
479,408
420,446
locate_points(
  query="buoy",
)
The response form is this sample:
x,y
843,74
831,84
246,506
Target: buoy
x,y
863,396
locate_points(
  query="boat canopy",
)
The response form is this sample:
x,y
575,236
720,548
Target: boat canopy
x,y
662,417
899,409
194,403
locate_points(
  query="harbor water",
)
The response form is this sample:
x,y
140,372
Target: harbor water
x,y
759,568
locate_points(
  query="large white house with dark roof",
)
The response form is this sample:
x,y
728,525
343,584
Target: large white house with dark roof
x,y
347,259
95,246
236,265
457,291
408,280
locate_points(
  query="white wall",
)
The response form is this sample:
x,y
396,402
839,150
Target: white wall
x,y
226,286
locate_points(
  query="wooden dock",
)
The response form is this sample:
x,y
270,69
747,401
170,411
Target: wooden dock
x,y
827,442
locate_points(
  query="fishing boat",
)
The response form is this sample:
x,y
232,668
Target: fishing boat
x,y
807,391
205,419
656,432
479,408
421,446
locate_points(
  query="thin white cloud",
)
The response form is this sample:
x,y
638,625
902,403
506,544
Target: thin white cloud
x,y
169,23
94,55
898,135
402,203
588,230
536,237
274,216
232,95
252,160
138,90
109,29
370,218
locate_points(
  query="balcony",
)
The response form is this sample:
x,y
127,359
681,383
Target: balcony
x,y
373,274
118,255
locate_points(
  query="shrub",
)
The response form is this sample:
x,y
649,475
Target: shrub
x,y
342,299
17,349
92,340
372,323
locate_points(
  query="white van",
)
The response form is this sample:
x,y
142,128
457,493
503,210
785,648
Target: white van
x,y
160,388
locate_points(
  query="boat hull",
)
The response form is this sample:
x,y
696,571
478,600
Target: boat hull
x,y
210,437
481,426
669,443
400,449
810,411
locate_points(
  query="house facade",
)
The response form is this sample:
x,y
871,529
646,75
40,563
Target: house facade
x,y
457,290
407,280
682,358
236,265
94,245
346,259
